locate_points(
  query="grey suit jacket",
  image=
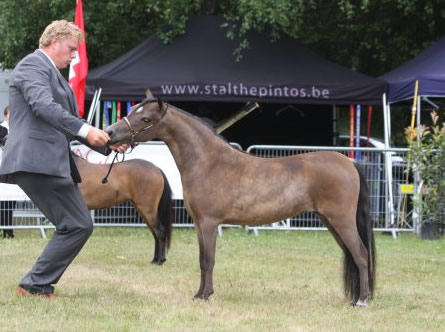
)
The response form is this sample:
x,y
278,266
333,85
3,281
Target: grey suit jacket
x,y
43,119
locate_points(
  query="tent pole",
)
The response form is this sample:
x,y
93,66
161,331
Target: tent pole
x,y
358,111
97,110
388,165
90,114
431,103
94,104
417,211
351,130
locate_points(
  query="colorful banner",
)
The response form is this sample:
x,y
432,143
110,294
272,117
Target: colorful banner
x,y
113,112
118,110
106,114
129,104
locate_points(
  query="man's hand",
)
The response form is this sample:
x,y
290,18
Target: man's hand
x,y
97,137
119,147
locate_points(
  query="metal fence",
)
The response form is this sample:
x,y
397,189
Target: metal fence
x,y
24,214
372,162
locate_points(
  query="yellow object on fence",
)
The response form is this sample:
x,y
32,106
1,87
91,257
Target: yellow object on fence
x,y
410,142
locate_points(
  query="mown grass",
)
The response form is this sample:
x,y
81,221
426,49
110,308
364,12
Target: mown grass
x,y
278,281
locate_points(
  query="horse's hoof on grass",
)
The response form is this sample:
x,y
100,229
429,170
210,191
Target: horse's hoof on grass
x,y
201,297
158,262
361,304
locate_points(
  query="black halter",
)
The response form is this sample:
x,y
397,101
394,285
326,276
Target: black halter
x,y
134,132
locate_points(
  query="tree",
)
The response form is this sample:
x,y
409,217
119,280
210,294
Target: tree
x,y
372,37
368,36
112,27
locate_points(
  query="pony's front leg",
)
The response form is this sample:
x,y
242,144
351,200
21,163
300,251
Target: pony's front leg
x,y
207,242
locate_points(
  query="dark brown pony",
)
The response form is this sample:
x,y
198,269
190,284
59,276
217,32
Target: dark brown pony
x,y
224,185
135,180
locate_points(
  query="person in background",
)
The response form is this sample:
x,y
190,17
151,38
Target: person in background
x,y
37,155
4,126
6,207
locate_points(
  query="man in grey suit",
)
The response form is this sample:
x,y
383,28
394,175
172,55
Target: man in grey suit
x,y
43,120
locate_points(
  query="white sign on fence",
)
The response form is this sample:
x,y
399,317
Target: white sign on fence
x,y
155,152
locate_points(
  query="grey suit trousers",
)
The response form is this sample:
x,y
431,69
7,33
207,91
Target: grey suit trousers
x,y
61,201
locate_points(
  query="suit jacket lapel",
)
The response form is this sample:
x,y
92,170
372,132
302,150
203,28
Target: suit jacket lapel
x,y
63,82
68,90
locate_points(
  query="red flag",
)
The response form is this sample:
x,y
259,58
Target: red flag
x,y
79,66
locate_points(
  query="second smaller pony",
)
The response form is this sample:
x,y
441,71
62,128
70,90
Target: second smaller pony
x,y
135,180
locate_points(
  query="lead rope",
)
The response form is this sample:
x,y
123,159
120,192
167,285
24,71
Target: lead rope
x,y
105,179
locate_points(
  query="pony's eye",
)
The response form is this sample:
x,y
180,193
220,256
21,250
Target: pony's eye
x,y
146,120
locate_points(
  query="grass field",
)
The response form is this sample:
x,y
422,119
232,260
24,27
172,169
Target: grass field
x,y
278,281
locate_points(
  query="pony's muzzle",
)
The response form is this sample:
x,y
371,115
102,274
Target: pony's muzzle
x,y
113,136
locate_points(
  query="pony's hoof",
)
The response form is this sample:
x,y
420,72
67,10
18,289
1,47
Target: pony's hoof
x,y
158,261
361,303
202,296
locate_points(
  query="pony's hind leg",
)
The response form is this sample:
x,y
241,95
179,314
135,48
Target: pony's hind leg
x,y
356,265
207,243
149,217
345,250
159,254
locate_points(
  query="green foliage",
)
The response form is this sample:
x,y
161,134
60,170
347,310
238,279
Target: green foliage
x,y
372,37
112,27
20,33
369,36
427,156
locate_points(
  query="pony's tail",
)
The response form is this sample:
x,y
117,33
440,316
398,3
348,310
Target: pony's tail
x,y
165,211
364,227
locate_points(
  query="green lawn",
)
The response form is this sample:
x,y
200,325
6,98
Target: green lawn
x,y
278,281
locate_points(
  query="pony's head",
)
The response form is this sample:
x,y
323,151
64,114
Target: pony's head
x,y
140,124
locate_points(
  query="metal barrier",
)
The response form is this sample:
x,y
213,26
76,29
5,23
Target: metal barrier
x,y
26,215
372,161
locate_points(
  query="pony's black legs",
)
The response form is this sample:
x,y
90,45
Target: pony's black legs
x,y
207,243
359,284
160,244
351,279
159,254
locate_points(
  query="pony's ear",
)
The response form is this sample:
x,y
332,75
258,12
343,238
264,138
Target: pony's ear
x,y
160,104
148,93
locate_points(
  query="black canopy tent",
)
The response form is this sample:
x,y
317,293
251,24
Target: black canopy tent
x,y
200,66
198,72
